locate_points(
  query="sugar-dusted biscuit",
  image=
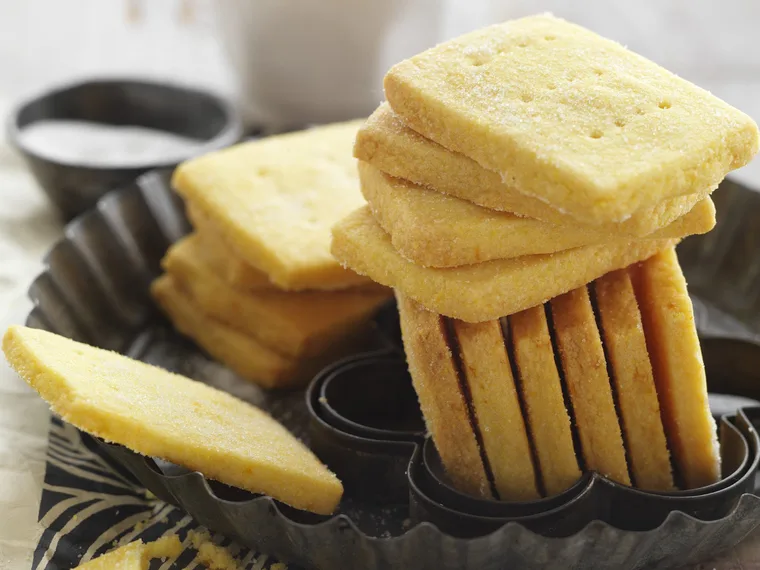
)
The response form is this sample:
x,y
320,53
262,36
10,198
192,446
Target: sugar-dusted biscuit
x,y
584,369
483,291
160,414
496,409
571,118
228,265
437,383
435,230
628,359
541,390
679,372
301,324
386,143
275,199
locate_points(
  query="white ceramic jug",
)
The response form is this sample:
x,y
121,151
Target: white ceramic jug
x,y
315,61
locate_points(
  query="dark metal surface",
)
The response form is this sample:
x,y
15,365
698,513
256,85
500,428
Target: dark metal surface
x,y
95,290
76,186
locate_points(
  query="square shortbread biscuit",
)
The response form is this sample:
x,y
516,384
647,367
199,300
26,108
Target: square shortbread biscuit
x,y
435,230
219,255
679,372
293,324
275,199
436,380
386,143
571,118
541,387
483,291
631,371
496,409
217,252
584,370
241,353
160,414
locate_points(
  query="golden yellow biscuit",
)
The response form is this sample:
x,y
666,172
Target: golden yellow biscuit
x,y
437,383
386,143
275,199
483,291
435,230
136,555
496,409
585,372
243,354
631,370
299,324
216,253
160,414
679,373
541,390
571,118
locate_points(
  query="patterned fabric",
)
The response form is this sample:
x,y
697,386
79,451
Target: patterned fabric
x,y
90,505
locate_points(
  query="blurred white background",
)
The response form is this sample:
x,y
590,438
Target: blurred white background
x,y
710,42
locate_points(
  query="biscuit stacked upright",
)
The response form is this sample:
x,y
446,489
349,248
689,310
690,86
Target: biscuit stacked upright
x,y
509,169
255,284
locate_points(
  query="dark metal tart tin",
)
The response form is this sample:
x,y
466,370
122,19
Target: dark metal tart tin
x,y
361,417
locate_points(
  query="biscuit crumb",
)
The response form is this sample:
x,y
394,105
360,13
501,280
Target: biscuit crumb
x,y
211,555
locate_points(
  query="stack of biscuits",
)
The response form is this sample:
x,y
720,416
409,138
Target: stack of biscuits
x,y
255,284
527,184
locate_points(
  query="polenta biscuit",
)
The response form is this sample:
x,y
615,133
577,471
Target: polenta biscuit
x,y
437,383
484,291
161,414
275,199
299,324
496,409
584,370
214,252
571,118
620,322
243,354
386,143
547,416
435,230
679,372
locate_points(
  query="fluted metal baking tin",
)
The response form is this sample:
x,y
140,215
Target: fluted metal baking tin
x,y
95,289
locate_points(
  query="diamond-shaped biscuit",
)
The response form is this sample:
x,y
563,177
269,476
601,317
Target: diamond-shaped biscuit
x,y
160,414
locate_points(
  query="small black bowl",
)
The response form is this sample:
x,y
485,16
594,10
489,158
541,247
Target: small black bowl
x,y
75,186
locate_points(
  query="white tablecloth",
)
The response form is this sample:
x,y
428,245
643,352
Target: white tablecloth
x,y
28,226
